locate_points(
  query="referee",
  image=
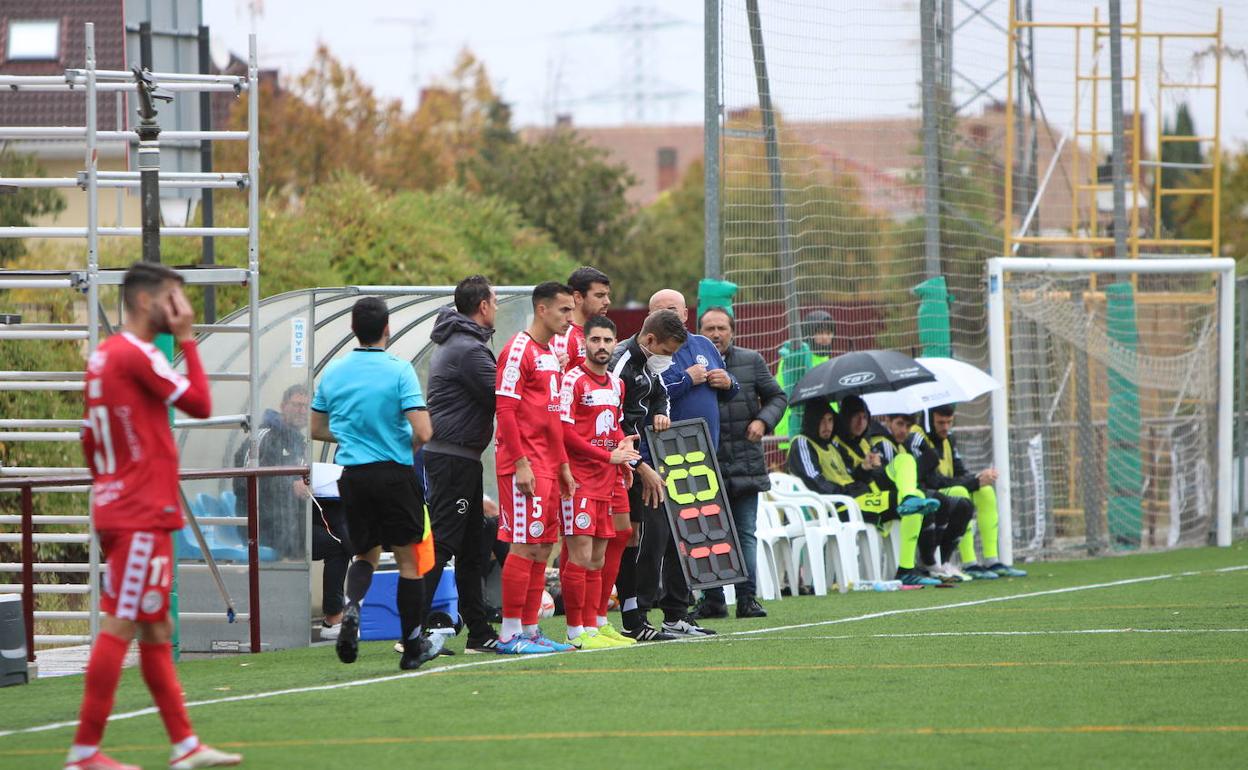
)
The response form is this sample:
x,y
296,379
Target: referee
x,y
370,403
462,371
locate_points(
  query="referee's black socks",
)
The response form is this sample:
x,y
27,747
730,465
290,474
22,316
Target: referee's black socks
x,y
411,604
359,578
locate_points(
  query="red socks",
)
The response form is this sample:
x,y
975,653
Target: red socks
x,y
156,663
611,567
593,591
572,577
537,584
516,571
103,673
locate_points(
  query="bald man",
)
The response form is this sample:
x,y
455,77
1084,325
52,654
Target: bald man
x,y
696,381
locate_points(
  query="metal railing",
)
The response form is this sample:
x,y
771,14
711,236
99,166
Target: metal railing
x,y
28,537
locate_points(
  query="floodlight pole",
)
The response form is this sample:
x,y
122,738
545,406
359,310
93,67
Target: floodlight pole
x,y
149,163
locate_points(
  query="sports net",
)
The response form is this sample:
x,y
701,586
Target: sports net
x,y
1113,390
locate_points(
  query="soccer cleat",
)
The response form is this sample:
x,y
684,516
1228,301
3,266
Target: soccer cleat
x,y
483,643
595,642
428,647
748,607
979,573
687,627
709,609
609,632
646,633
921,505
520,645
539,638
330,633
950,570
205,756
1005,570
348,644
99,761
910,577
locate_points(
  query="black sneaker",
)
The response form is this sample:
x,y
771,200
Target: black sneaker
x,y
687,627
709,609
428,647
647,633
486,641
348,644
748,607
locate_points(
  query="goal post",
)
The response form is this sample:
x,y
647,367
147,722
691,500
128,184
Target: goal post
x,y
1117,403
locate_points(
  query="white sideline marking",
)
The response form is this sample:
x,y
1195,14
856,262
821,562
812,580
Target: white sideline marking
x,y
501,660
917,635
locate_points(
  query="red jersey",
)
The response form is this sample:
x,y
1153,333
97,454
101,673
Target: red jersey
x,y
527,385
571,343
590,409
126,435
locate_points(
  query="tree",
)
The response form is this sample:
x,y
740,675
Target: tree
x,y
561,184
1173,214
1233,222
664,246
19,208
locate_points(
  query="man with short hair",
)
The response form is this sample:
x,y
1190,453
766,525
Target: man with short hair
x,y
951,477
697,383
591,297
532,467
462,373
590,401
370,403
744,420
283,499
639,363
135,507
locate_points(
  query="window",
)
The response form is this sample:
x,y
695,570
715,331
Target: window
x,y
34,40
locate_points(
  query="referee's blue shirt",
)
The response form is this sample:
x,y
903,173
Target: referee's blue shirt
x,y
367,395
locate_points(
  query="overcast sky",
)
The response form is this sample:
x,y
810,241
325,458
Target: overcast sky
x,y
549,56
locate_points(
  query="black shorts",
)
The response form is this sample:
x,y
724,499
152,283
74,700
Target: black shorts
x,y
384,505
455,500
639,511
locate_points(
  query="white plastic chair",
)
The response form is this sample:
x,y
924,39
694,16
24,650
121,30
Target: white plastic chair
x,y
871,556
831,546
773,546
802,511
790,521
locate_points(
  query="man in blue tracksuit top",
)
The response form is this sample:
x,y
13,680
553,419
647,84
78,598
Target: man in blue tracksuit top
x,y
696,382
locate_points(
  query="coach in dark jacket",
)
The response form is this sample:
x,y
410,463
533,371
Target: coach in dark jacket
x,y
744,420
461,407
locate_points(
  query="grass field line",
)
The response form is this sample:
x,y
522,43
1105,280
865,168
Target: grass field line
x,y
505,660
749,732
1052,632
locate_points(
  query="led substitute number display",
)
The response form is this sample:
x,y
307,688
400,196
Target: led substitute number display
x,y
697,507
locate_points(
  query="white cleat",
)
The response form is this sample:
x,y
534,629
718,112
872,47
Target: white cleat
x,y
205,756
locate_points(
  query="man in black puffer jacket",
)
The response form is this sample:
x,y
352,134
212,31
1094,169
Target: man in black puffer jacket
x,y
744,420
461,406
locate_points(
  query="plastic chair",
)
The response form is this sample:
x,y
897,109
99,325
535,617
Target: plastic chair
x,y
831,544
228,538
870,556
773,541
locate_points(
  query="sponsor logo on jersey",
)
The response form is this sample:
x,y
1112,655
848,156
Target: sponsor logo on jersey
x,y
547,362
583,520
605,423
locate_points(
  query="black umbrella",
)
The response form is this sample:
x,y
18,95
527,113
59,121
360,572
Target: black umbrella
x,y
866,371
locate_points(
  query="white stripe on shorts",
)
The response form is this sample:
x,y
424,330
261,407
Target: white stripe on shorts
x,y
519,514
137,561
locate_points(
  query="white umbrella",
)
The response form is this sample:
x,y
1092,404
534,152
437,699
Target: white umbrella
x,y
956,382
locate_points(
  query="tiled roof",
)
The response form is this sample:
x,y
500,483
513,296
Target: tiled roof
x,y
42,108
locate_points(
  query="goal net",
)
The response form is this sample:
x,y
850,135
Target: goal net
x,y
1113,406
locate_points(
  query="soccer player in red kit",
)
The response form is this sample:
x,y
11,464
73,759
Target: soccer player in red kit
x,y
591,297
532,467
590,402
135,508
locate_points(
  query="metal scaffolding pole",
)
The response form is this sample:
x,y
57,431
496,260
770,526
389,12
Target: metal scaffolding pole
x,y
713,266
1118,160
931,139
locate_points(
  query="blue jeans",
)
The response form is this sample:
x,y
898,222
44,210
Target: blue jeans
x,y
745,515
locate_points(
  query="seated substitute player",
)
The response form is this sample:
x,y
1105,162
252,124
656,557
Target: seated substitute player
x,y
952,478
590,400
371,404
946,527
135,508
532,468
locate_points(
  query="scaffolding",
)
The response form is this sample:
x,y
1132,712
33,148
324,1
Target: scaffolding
x,y
88,280
1144,236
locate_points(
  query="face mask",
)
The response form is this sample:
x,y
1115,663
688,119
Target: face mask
x,y
658,364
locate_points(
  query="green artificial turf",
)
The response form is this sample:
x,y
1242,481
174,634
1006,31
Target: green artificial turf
x,y
1005,683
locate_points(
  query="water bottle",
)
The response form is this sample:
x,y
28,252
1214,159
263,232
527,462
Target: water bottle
x,y
878,585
